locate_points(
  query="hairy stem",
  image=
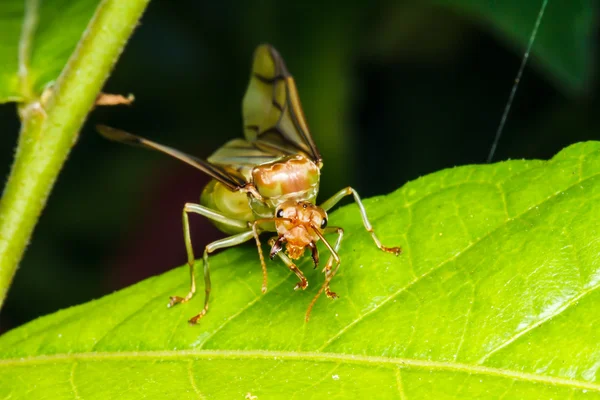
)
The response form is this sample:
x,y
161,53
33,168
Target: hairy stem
x,y
50,129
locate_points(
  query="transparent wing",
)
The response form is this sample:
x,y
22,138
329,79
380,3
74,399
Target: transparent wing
x,y
229,176
273,117
241,155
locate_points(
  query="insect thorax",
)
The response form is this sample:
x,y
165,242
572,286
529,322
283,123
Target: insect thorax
x,y
289,178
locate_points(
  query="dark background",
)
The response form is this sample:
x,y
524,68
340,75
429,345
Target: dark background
x,y
391,90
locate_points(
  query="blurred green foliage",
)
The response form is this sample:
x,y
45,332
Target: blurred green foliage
x,y
391,89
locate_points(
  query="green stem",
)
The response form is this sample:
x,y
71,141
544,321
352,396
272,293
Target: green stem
x,y
49,131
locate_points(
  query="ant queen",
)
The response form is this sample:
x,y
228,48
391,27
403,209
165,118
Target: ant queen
x,y
268,181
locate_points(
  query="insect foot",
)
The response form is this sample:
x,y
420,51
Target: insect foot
x,y
330,294
173,300
194,320
392,250
303,284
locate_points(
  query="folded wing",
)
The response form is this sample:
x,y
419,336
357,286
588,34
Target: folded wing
x,y
273,118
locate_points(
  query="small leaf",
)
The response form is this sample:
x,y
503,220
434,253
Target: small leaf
x,y
495,296
37,39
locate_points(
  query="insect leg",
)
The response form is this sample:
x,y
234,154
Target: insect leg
x,y
211,247
329,273
211,214
333,257
303,284
263,265
328,204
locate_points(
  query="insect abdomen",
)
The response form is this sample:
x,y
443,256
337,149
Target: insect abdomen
x,y
232,204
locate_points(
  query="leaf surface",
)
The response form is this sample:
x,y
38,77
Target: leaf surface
x,y
38,36
495,296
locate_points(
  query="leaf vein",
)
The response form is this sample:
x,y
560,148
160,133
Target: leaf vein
x,y
520,334
399,384
242,310
133,314
72,382
280,356
192,381
466,326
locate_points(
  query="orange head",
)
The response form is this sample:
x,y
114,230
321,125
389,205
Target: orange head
x,y
301,225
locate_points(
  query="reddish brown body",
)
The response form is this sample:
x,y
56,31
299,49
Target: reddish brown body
x,y
298,226
267,182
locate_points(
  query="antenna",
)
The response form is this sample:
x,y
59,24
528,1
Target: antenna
x,y
513,91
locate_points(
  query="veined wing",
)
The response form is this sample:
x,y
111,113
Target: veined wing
x,y
241,155
273,117
228,176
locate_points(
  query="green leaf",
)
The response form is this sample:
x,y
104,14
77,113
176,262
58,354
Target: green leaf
x,y
37,39
565,41
495,296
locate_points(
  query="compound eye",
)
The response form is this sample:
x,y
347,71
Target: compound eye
x,y
279,213
323,223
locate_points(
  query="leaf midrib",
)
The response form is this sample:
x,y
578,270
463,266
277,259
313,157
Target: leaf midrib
x,y
300,356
